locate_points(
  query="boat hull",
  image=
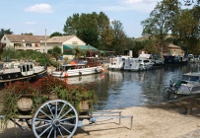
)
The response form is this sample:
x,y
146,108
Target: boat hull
x,y
78,72
5,79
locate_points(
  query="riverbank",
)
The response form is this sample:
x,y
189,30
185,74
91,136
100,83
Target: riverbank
x,y
167,120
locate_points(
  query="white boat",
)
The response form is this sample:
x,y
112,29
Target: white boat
x,y
19,71
88,65
132,64
84,79
189,84
137,64
117,63
145,64
155,59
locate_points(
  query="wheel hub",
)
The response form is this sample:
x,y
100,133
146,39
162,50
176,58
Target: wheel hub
x,y
56,122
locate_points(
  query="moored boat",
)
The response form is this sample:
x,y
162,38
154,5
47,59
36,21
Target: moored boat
x,y
137,64
188,85
117,63
84,66
20,71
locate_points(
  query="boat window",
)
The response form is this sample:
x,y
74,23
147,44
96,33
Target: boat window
x,y
195,78
27,67
31,66
84,62
146,61
23,69
190,78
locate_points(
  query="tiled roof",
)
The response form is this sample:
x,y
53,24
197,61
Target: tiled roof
x,y
26,38
59,39
173,46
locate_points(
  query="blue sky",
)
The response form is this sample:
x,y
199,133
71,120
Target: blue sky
x,y
34,16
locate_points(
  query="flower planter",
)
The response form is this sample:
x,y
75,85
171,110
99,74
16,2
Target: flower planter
x,y
25,103
84,106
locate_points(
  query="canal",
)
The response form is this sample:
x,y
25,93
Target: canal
x,y
121,89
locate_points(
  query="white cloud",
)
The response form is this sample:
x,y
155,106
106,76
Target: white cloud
x,y
40,8
30,23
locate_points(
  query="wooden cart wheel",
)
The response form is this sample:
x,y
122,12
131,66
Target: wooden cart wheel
x,y
55,117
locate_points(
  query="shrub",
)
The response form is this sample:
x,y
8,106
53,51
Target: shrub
x,y
40,91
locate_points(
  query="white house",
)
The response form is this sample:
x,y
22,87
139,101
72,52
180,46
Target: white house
x,y
44,43
23,42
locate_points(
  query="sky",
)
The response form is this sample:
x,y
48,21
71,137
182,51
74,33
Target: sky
x,y
36,16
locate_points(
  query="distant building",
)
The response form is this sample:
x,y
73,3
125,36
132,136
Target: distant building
x,y
173,50
23,42
170,50
44,43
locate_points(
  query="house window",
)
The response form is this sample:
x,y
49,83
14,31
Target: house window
x,y
28,44
36,45
74,42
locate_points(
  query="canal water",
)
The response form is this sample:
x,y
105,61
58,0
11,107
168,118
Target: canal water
x,y
121,89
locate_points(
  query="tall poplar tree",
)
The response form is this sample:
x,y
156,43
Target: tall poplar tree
x,y
161,21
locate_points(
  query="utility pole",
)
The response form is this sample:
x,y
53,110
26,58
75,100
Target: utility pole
x,y
45,48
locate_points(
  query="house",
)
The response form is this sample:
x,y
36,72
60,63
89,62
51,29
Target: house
x,y
23,42
173,50
170,50
44,43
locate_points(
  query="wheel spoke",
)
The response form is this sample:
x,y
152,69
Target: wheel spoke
x,y
56,109
50,110
50,133
66,113
40,119
65,119
46,114
69,124
61,110
60,132
45,130
65,129
48,124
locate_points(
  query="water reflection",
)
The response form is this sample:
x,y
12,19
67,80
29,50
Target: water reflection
x,y
118,89
123,89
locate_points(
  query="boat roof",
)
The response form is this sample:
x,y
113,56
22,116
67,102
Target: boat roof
x,y
193,74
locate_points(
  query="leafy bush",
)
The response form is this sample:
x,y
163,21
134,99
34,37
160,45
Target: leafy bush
x,y
40,92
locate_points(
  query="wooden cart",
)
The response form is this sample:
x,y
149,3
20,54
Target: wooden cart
x,y
58,117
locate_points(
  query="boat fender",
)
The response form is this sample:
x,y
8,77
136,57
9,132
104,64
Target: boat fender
x,y
8,76
1,78
16,75
66,75
80,73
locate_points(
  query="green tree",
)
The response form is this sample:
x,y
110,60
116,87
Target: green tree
x,y
88,29
94,29
119,35
186,29
77,52
160,22
8,53
105,31
56,34
5,31
55,52
71,26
